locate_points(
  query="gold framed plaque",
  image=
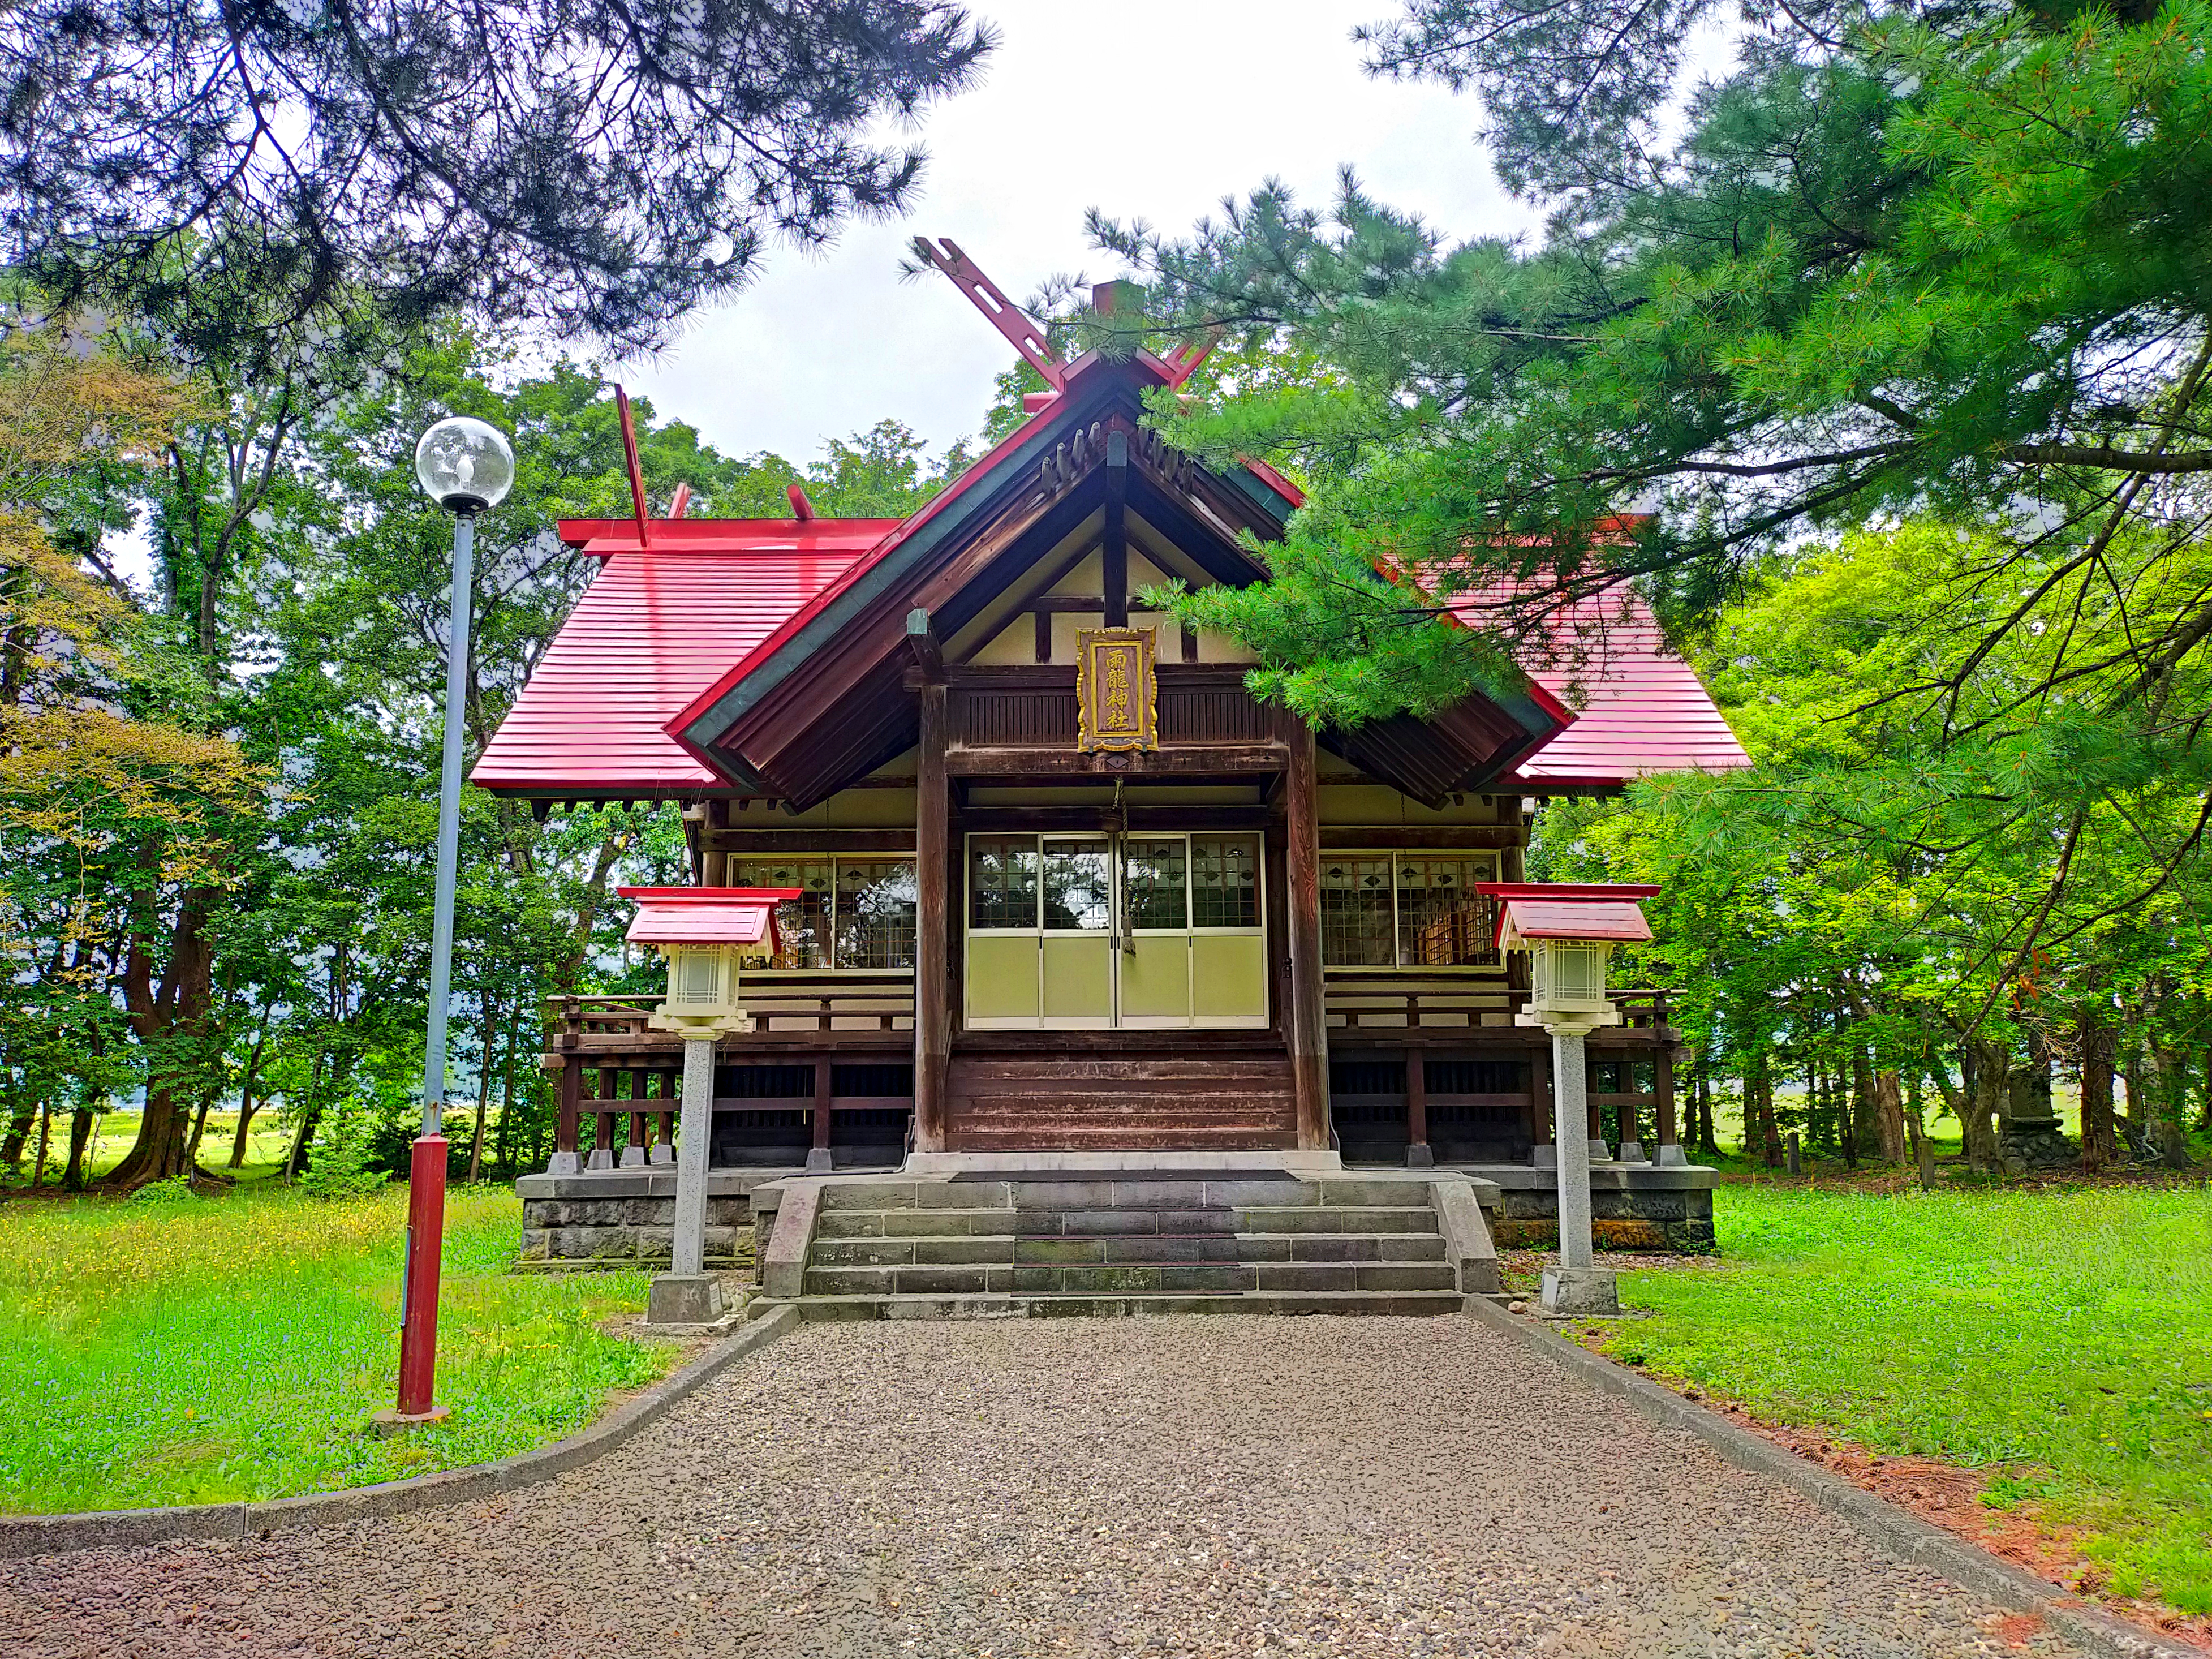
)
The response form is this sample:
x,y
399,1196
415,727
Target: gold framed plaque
x,y
1116,690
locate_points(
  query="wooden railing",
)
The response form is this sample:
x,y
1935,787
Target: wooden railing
x,y
1383,999
784,1004
819,1059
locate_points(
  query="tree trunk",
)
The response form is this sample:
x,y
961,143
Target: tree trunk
x,y
2131,1074
199,1129
1759,1086
1855,1105
168,1019
2097,1140
1992,1069
1702,1104
46,1129
2173,1117
80,1133
1889,1116
247,1106
311,1113
19,1132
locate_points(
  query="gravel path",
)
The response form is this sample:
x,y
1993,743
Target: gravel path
x,y
1162,1486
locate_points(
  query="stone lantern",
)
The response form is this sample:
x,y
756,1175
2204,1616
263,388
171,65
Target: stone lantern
x,y
1569,931
705,934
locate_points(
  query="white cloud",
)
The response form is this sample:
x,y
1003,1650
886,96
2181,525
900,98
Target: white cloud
x,y
1149,109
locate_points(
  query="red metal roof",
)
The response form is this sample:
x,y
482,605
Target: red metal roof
x,y
706,915
649,634
1639,708
604,537
1532,918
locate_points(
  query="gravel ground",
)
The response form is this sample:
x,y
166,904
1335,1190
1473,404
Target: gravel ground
x,y
1159,1486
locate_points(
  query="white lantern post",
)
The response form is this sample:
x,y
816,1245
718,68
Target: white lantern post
x,y
1569,930
705,934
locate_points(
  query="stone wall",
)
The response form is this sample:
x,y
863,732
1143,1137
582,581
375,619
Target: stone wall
x,y
1633,1208
626,1217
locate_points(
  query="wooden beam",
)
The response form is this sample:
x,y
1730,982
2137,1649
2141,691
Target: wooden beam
x,y
1049,818
921,641
1308,1018
932,967
1190,760
1451,837
767,843
1116,553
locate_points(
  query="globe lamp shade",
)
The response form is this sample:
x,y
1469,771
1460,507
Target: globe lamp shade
x,y
464,466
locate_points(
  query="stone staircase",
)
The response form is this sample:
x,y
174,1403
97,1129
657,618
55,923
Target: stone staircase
x,y
1123,1243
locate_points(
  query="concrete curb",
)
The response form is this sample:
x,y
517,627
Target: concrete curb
x,y
1897,1531
25,1536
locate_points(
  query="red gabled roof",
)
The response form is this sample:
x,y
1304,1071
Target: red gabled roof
x,y
736,667
706,915
649,633
1639,708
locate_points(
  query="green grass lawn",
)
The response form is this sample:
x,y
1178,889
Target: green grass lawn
x,y
2062,1338
236,1346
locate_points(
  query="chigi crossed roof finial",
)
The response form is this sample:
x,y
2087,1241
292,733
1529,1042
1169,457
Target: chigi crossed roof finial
x,y
1027,335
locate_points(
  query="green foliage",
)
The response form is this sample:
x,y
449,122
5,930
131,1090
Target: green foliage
x,y
341,1167
1929,262
237,1348
2062,1341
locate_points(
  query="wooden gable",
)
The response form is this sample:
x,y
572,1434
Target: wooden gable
x,y
828,698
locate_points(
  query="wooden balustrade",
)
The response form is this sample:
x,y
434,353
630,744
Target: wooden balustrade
x,y
810,1031
1364,1001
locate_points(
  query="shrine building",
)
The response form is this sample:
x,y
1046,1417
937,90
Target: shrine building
x,y
1070,896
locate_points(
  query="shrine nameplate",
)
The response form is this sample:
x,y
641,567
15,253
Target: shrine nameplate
x,y
1116,690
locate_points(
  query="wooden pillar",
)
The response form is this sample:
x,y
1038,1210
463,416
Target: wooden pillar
x,y
1418,1155
932,977
1665,1084
564,1131
1540,1095
1308,1021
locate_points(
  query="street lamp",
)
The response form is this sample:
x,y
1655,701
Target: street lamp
x,y
466,466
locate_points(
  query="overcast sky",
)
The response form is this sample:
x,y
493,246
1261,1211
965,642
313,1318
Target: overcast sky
x,y
1147,109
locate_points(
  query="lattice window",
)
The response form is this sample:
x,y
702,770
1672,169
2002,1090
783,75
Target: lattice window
x,y
1155,877
1077,898
1355,912
1002,881
1442,923
804,922
875,911
1225,881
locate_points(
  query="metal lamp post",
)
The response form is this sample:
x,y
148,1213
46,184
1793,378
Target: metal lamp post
x,y
466,466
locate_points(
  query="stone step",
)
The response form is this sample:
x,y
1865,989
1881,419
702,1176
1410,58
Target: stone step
x,y
1107,1192
1124,1222
1008,1305
1007,1249
1127,1279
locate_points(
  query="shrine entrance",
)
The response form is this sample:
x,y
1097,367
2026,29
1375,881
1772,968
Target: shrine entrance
x,y
1103,931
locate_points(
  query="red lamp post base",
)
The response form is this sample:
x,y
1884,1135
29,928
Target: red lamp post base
x,y
418,1317
387,1422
